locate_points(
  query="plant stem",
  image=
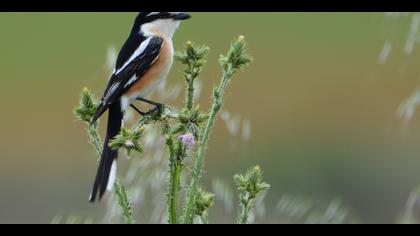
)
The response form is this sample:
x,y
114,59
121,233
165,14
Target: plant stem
x,y
119,191
190,94
197,171
246,205
95,139
124,203
175,169
176,187
205,218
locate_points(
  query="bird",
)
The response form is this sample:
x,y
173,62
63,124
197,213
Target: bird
x,y
143,62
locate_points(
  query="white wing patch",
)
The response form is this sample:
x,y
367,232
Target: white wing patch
x,y
136,53
135,78
132,80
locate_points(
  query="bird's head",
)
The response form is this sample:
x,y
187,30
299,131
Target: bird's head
x,y
151,23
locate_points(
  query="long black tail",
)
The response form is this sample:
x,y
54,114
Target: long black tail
x,y
108,156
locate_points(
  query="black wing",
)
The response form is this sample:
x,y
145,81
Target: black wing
x,y
133,42
128,74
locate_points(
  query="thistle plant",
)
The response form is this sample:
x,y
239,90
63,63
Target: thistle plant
x,y
186,134
125,205
84,112
194,59
203,202
129,140
250,185
235,60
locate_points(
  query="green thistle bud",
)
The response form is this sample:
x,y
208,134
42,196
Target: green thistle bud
x,y
127,139
87,106
204,201
252,182
237,57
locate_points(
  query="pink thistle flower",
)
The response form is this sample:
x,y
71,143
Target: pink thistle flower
x,y
188,140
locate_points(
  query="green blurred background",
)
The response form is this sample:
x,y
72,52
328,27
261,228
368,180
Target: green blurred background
x,y
323,110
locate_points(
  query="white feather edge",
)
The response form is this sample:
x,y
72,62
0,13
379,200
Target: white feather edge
x,y
112,176
136,53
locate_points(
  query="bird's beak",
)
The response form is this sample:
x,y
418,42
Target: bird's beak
x,y
181,16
